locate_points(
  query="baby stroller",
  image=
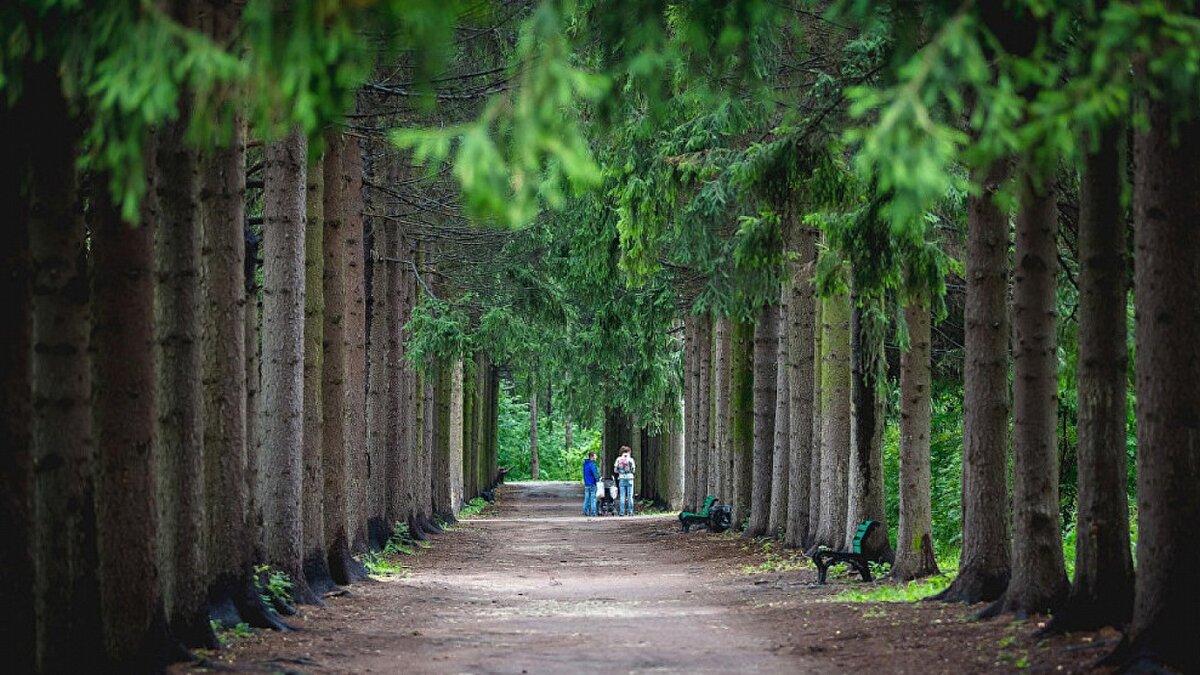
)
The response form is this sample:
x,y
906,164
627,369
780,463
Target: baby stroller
x,y
606,501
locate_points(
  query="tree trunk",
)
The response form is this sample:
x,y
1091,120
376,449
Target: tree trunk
x,y
395,458
984,564
180,395
1167,298
413,410
378,386
230,547
691,406
719,468
16,380
424,477
282,405
914,542
66,595
443,498
675,470
254,468
533,433
457,440
1102,592
741,413
1039,579
336,451
818,418
781,451
316,564
865,479
835,420
356,356
1038,582
135,631
704,344
766,352
800,327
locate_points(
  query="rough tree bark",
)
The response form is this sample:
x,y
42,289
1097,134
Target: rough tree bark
x,y
691,393
316,565
781,450
704,346
180,395
424,477
865,477
800,327
336,450
984,564
914,542
457,438
132,614
378,387
1102,591
282,401
818,417
720,468
443,499
395,458
1039,579
66,596
741,414
766,351
356,355
835,420
1167,299
16,380
230,550
254,506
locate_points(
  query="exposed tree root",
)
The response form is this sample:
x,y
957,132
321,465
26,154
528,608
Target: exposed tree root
x,y
971,587
195,630
316,573
415,530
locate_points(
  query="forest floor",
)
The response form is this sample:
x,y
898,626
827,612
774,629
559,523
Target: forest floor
x,y
533,587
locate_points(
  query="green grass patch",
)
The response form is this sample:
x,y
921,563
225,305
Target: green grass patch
x,y
473,508
911,591
274,586
227,636
386,563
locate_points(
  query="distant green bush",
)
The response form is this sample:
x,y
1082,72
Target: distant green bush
x,y
556,462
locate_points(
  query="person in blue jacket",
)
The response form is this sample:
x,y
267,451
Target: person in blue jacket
x,y
591,476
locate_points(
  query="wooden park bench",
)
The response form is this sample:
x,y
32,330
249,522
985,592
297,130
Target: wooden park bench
x,y
856,558
715,518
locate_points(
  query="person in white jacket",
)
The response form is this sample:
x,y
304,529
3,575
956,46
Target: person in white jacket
x,y
624,467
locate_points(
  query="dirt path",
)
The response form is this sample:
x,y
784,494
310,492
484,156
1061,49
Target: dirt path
x,y
536,588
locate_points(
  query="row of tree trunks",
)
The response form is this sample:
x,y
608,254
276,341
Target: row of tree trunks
x,y
171,460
